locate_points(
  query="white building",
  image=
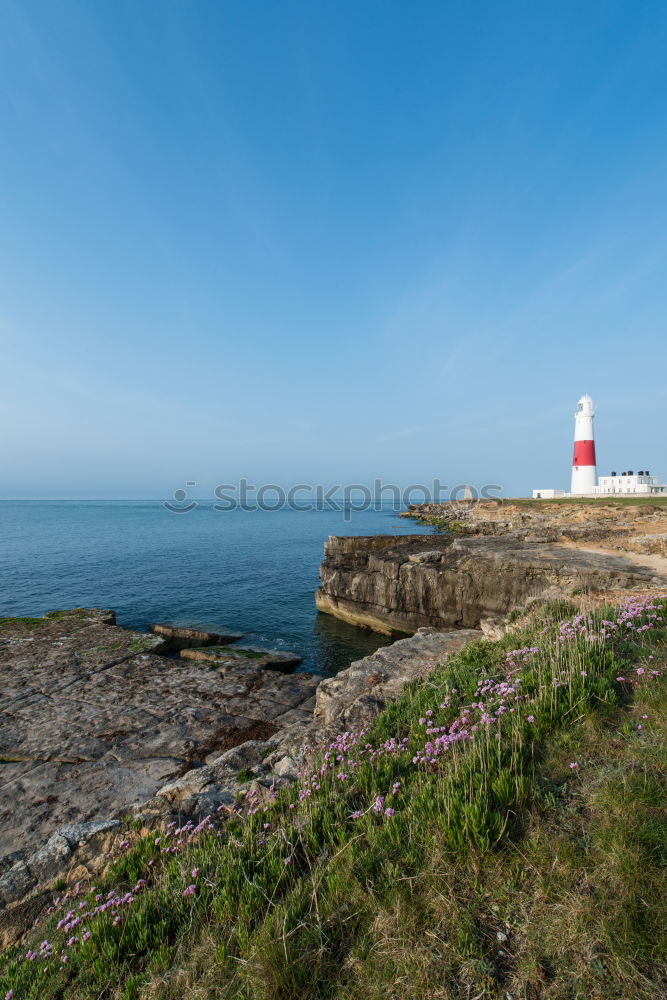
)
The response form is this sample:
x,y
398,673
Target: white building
x,y
548,494
584,474
630,482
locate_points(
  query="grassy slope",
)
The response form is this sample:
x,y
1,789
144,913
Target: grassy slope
x,y
604,499
503,871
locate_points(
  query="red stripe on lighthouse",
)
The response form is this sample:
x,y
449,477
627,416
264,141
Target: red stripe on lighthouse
x,y
584,453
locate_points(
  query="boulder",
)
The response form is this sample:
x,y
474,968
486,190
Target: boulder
x,y
50,860
275,659
493,628
79,834
357,694
267,659
16,882
183,638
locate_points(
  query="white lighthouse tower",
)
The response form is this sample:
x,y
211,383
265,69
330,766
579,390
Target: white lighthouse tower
x,y
584,476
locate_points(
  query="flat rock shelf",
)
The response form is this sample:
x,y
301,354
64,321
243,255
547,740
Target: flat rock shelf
x,y
95,718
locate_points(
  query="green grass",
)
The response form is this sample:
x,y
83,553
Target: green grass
x,y
10,624
67,613
560,608
143,644
503,870
443,525
603,499
29,624
245,774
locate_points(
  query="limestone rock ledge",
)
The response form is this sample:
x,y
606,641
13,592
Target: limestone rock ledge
x,y
444,581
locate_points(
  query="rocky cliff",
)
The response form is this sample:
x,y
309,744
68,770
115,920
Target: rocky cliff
x,y
450,580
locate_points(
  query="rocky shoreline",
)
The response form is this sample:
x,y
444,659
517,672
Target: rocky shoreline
x,y
100,724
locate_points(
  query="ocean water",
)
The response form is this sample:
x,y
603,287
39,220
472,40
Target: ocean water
x,y
252,571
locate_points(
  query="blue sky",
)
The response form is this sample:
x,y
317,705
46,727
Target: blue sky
x,y
324,242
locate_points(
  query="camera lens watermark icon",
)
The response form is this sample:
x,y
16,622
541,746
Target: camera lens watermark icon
x,y
180,506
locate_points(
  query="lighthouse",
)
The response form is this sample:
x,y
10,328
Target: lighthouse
x,y
584,474
584,477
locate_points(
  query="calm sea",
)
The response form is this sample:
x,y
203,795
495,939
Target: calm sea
x,y
250,571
